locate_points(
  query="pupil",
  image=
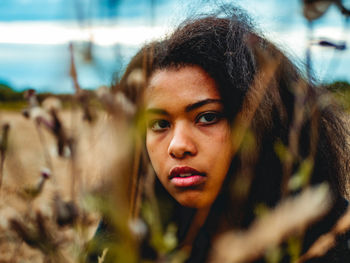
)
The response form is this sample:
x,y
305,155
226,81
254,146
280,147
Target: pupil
x,y
209,117
162,124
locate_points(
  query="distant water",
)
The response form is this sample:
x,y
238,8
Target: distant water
x,y
46,67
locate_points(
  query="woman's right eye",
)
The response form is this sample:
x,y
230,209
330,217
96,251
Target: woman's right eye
x,y
159,125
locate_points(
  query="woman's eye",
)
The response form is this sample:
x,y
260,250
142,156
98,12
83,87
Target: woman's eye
x,y
159,125
208,118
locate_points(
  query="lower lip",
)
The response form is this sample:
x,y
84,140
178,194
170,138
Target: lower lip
x,y
189,181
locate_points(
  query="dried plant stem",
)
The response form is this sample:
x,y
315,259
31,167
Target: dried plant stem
x,y
149,192
292,215
325,242
79,93
43,143
73,71
2,162
196,224
16,251
137,178
293,138
135,181
314,131
3,149
253,98
57,257
73,173
102,257
75,178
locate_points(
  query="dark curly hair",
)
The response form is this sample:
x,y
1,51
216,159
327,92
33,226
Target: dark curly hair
x,y
290,121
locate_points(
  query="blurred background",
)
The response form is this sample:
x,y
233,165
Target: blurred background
x,y
39,38
35,37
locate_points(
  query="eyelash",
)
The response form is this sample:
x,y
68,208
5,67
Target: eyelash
x,y
166,124
152,124
216,115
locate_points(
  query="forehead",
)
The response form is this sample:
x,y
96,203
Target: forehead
x,y
184,85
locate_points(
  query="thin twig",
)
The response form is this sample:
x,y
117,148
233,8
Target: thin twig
x,y
80,94
294,133
291,216
3,149
325,242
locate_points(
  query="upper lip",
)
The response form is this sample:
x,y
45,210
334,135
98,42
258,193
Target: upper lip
x,y
176,171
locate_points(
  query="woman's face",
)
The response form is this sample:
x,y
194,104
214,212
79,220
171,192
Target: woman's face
x,y
188,139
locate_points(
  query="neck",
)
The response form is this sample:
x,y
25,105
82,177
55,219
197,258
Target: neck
x,y
198,221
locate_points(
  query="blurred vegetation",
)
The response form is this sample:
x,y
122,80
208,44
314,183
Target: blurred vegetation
x,y
10,99
339,86
13,100
341,91
8,94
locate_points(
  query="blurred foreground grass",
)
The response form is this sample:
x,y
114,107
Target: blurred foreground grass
x,y
47,198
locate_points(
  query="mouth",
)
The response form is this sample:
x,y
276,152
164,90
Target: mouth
x,y
184,176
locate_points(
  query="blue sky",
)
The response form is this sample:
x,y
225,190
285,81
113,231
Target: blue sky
x,y
35,34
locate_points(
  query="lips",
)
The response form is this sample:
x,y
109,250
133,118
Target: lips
x,y
184,176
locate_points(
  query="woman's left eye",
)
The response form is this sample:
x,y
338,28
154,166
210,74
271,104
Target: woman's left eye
x,y
208,118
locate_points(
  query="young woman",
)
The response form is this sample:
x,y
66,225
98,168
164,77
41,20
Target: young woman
x,y
228,121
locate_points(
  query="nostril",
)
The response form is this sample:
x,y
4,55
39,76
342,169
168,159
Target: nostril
x,y
177,154
180,154
182,143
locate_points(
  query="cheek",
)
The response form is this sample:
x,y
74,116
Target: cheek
x,y
154,153
149,147
223,152
220,141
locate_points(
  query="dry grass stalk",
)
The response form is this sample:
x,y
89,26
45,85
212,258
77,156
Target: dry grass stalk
x,y
93,159
23,166
325,242
103,256
3,149
80,94
34,191
254,96
294,133
39,234
241,126
292,215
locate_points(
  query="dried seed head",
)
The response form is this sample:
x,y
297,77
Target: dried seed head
x,y
125,104
52,103
25,113
38,113
30,96
37,236
102,91
136,78
138,227
315,9
45,173
66,212
292,215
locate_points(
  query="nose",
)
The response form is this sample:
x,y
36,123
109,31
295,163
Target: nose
x,y
182,143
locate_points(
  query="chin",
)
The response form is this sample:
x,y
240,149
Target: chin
x,y
192,201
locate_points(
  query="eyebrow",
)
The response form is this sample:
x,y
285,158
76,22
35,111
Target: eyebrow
x,y
201,103
157,111
188,108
